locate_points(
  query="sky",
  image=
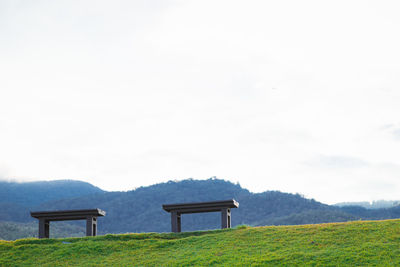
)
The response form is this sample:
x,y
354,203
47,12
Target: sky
x,y
297,96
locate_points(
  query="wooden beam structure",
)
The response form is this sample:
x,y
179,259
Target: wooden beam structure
x,y
223,206
89,215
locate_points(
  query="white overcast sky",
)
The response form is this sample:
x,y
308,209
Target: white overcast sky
x,y
296,96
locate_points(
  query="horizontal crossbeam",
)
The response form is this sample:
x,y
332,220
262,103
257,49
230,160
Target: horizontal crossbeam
x,y
67,214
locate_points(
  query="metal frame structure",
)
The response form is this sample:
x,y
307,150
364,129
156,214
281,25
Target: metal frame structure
x,y
223,206
45,217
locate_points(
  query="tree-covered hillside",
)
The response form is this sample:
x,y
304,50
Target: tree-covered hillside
x,y
31,194
140,210
17,199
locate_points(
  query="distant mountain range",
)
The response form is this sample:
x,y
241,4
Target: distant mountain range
x,y
379,204
16,199
35,193
140,210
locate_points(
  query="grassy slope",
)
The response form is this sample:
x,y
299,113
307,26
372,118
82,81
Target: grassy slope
x,y
354,243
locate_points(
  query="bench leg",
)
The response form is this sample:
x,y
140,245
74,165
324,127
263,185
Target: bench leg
x,y
225,218
175,222
44,228
91,226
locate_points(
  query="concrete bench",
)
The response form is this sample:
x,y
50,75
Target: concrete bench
x,y
223,206
45,217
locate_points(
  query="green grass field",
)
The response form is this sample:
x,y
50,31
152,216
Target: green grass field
x,y
372,243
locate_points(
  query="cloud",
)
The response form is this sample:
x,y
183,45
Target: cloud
x,y
125,94
371,187
396,133
3,172
393,129
337,162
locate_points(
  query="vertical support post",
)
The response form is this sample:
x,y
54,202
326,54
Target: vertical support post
x,y
44,228
225,218
179,222
175,222
91,226
229,218
95,226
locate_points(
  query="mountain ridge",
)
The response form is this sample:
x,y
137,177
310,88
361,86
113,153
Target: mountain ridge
x,y
34,193
140,210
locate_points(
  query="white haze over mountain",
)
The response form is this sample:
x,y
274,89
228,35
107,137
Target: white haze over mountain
x,y
297,96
